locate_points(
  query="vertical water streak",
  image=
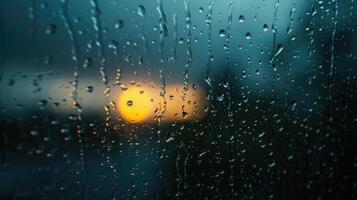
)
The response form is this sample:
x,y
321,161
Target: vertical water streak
x,y
228,92
290,30
276,50
174,34
163,34
79,131
147,63
332,49
97,26
143,37
178,172
230,117
70,30
188,27
75,94
228,33
311,44
351,9
289,62
275,25
208,20
33,17
107,137
162,29
98,31
2,52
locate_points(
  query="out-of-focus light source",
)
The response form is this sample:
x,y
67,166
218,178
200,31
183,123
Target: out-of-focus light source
x,y
141,104
135,104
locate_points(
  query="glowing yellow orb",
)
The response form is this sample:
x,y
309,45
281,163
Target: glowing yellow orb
x,y
135,105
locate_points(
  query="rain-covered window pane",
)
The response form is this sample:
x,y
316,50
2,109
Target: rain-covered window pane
x,y
178,99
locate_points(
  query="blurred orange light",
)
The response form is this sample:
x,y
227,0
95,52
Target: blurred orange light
x,y
146,105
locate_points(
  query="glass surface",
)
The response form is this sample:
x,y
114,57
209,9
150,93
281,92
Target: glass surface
x,y
178,99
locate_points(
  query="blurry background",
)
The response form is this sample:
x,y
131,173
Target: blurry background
x,y
279,76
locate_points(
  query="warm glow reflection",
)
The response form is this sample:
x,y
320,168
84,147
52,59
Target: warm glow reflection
x,y
135,105
140,104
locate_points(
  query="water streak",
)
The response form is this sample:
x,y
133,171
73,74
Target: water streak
x,y
163,34
332,49
70,30
208,20
188,26
97,25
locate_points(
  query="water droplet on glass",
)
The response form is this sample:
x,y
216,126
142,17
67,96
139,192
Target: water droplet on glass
x,y
222,33
51,29
44,5
129,103
34,132
241,18
119,24
265,27
184,114
271,164
279,49
293,105
248,36
141,10
201,10
42,103
90,89
47,60
123,87
220,97
88,62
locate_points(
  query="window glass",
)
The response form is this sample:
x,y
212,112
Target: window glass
x,y
178,99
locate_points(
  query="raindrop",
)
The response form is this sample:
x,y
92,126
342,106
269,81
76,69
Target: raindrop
x,y
90,89
220,97
42,103
119,24
181,40
280,48
248,36
141,10
88,62
265,27
201,10
261,134
241,18
184,114
208,81
51,29
129,103
293,105
170,139
222,33
271,164
123,87
34,132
